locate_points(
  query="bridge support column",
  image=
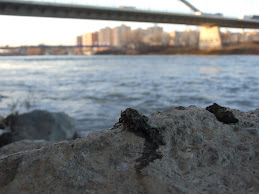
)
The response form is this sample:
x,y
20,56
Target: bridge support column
x,y
210,37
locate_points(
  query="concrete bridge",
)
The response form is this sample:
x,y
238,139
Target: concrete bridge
x,y
209,36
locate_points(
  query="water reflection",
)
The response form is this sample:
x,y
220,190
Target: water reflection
x,y
209,72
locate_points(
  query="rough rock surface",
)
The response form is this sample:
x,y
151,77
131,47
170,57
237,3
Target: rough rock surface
x,y
40,124
179,150
24,145
5,137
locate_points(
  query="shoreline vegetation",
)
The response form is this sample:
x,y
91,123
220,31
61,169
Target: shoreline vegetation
x,y
246,48
249,48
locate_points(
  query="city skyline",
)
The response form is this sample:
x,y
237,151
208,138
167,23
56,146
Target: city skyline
x,y
33,31
123,38
154,35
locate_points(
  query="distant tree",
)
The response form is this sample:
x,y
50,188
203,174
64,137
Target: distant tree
x,y
136,38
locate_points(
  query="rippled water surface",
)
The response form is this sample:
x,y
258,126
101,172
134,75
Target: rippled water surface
x,y
94,89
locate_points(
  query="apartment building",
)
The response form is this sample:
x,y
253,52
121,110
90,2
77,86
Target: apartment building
x,y
105,36
121,35
90,38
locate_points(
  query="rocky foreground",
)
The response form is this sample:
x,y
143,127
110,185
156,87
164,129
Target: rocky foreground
x,y
179,150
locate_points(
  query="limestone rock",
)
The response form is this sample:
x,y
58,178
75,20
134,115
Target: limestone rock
x,y
188,150
24,145
40,124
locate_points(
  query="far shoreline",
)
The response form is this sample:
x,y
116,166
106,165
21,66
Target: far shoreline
x,y
246,48
251,48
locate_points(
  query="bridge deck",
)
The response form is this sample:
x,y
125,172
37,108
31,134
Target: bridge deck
x,y
43,9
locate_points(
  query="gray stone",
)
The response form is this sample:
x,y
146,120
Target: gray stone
x,y
5,137
40,124
24,145
2,124
254,131
193,153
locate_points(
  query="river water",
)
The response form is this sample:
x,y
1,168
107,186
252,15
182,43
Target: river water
x,y
95,89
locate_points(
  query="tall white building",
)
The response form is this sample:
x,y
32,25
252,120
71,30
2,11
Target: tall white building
x,y
90,38
120,35
105,36
154,30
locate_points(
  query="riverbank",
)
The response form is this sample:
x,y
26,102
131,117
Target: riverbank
x,y
251,48
178,150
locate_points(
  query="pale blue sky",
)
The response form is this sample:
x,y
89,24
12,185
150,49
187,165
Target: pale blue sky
x,y
31,30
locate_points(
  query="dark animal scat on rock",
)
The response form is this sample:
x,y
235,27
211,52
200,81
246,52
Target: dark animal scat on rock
x,y
222,114
138,124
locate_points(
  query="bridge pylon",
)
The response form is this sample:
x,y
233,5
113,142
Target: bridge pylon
x,y
210,37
